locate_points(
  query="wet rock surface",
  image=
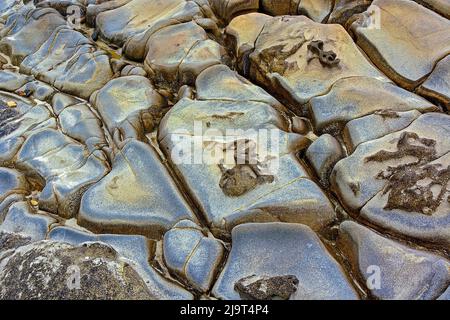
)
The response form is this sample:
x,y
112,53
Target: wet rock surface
x,y
224,149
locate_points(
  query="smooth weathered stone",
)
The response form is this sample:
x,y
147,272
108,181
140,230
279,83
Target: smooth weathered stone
x,y
231,193
228,9
11,81
137,196
37,90
136,16
130,104
283,63
186,52
221,83
192,255
405,273
81,124
64,168
317,10
242,33
24,220
375,126
103,273
64,7
93,10
437,85
137,46
281,249
18,123
399,181
12,181
60,101
70,62
410,214
7,5
360,96
138,250
344,9
277,7
323,154
440,6
19,38
425,40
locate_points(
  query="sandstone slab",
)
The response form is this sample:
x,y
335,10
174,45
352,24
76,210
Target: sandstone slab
x,y
284,62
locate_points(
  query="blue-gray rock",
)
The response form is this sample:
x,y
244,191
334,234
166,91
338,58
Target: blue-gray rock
x,y
192,255
404,273
137,196
282,249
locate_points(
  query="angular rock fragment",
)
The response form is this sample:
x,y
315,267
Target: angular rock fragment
x,y
137,196
437,86
138,251
276,250
62,271
283,63
425,40
405,273
192,255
